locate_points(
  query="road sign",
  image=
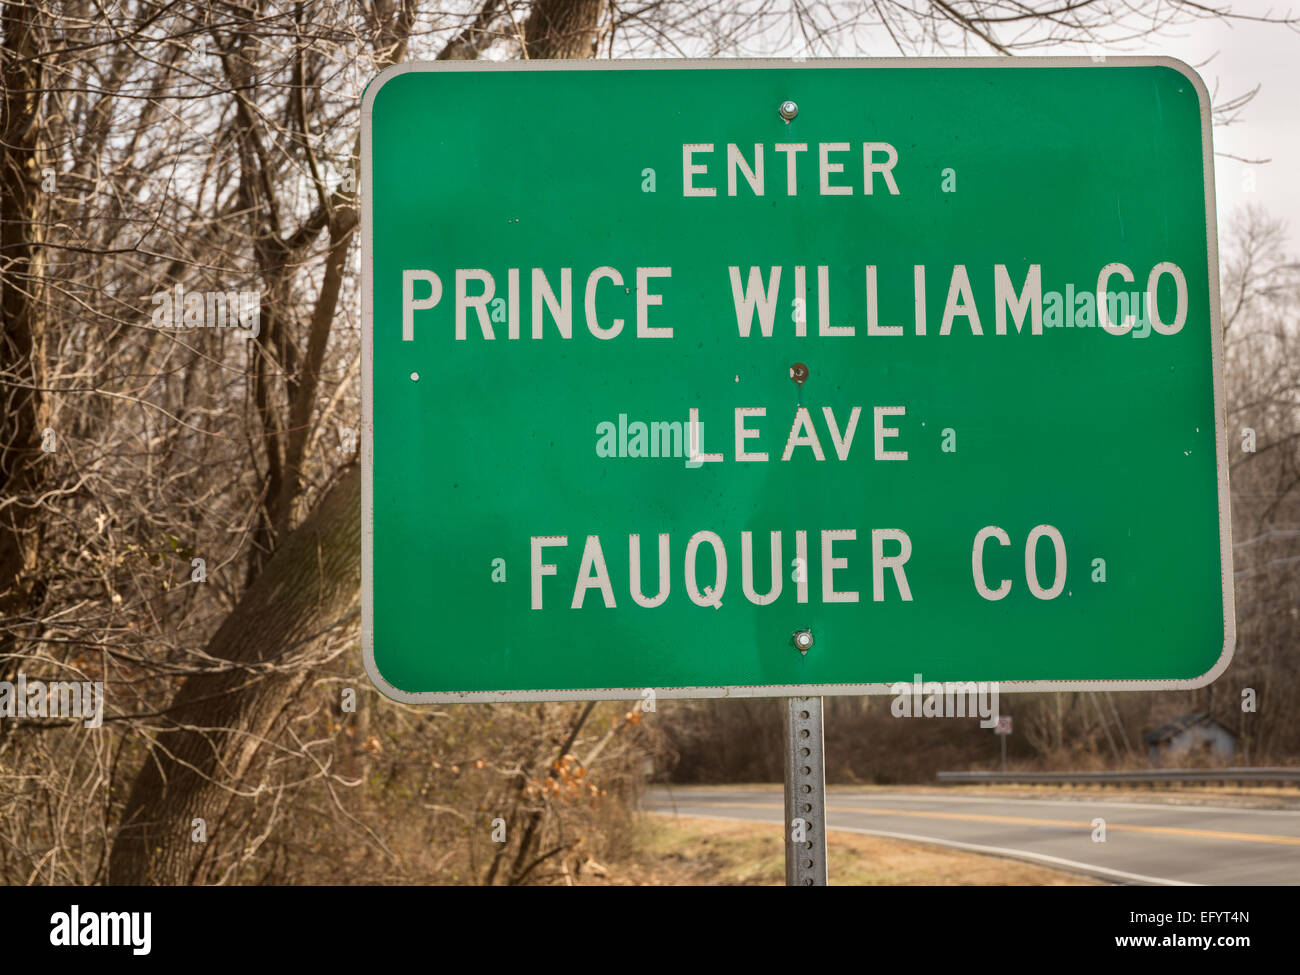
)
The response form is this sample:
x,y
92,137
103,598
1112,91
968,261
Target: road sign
x,y
1003,727
790,378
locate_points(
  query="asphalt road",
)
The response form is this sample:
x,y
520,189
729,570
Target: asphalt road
x,y
1146,842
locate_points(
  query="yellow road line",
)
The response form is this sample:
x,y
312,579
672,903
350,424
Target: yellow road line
x,y
1214,834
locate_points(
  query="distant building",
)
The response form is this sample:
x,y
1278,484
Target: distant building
x,y
1197,737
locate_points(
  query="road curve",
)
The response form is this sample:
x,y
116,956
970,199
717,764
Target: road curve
x,y
1145,842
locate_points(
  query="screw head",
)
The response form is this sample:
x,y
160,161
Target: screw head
x,y
788,110
799,372
803,640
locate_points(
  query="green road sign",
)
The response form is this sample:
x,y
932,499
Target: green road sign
x,y
773,378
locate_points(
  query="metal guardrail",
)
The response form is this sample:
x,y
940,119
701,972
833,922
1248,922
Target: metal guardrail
x,y
1291,775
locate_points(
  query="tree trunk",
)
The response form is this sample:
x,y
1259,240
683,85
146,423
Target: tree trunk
x,y
563,28
21,404
300,611
218,721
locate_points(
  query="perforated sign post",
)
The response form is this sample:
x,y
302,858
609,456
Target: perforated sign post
x,y
767,378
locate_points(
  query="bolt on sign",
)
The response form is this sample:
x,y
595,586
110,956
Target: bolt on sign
x,y
767,378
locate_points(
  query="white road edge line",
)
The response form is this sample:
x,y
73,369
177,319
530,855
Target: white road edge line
x,y
1085,868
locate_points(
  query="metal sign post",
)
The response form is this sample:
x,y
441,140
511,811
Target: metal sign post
x,y
805,794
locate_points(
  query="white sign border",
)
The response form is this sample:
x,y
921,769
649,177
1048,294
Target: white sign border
x,y
775,690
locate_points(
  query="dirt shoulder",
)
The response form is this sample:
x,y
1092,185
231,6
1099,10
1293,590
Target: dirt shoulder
x,y
687,851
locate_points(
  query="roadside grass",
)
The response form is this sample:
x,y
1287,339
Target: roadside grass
x,y
676,851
